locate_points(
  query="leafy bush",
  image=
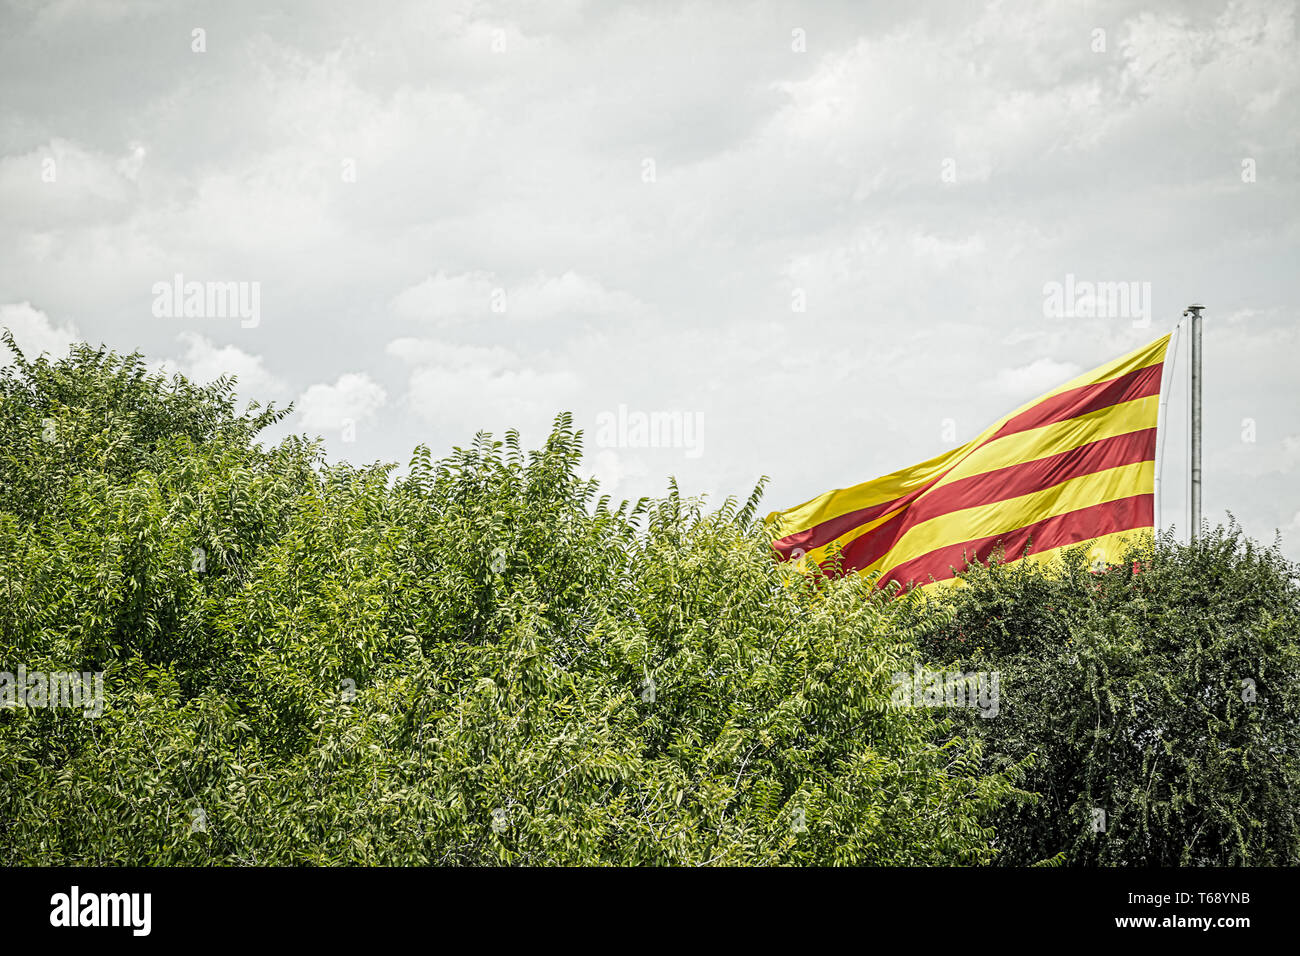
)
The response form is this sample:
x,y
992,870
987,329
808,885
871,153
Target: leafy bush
x,y
479,661
1161,698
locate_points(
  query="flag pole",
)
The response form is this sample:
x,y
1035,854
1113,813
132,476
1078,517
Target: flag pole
x,y
1195,312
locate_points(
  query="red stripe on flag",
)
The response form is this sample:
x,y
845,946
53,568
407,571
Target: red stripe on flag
x,y
1073,527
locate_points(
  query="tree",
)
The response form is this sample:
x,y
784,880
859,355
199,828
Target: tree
x,y
478,661
1160,699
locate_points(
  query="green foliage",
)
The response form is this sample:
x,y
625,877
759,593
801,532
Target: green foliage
x,y
482,661
479,661
1163,692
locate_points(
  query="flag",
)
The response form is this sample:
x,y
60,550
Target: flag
x,y
1075,465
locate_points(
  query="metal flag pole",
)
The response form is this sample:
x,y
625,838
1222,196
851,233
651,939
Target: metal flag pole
x,y
1195,312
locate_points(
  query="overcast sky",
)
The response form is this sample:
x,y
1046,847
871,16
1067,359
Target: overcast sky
x,y
822,233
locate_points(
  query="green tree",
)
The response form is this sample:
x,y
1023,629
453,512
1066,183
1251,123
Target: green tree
x,y
1160,699
478,661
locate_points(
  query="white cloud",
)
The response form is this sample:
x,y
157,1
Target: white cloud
x,y
59,14
355,396
550,297
444,300
491,388
1040,375
614,471
204,361
449,354
35,332
943,252
63,182
498,397
1258,459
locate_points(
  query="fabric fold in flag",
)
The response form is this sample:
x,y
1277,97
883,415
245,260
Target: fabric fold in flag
x,y
1075,465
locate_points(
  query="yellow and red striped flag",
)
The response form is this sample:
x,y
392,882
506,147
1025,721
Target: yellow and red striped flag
x,y
1075,465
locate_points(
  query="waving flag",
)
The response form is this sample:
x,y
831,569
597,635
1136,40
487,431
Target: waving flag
x,y
1076,465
